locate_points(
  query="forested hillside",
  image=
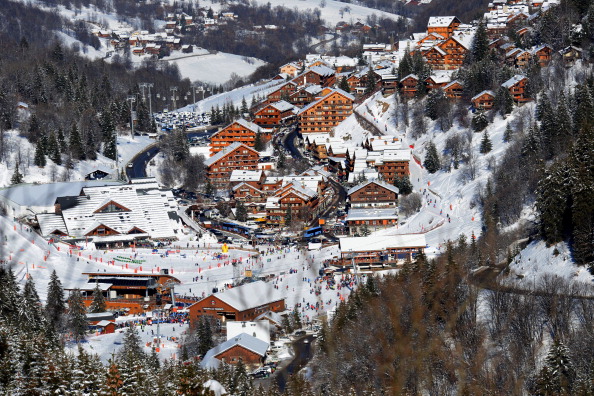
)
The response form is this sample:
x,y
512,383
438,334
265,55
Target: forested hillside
x,y
72,101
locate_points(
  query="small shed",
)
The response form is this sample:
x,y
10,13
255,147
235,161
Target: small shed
x,y
106,326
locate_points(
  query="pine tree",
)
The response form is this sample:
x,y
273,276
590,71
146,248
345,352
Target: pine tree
x,y
55,306
296,319
30,314
282,159
61,140
344,85
557,375
507,135
77,319
9,296
39,159
240,212
17,177
288,217
432,162
114,379
110,149
53,149
75,144
404,185
479,121
98,304
204,336
371,81
486,144
244,108
259,144
479,49
552,202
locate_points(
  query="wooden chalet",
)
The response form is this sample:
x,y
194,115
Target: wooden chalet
x,y
570,54
300,200
408,86
392,164
483,100
241,303
454,90
274,114
292,69
543,54
333,106
241,131
244,347
304,96
517,88
281,93
443,25
317,75
373,194
380,250
236,156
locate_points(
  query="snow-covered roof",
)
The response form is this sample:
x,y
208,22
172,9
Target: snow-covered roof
x,y
440,21
249,295
390,187
452,83
50,223
282,106
211,160
244,340
488,92
381,243
45,194
322,70
146,207
513,81
372,214
410,76
332,91
247,124
239,175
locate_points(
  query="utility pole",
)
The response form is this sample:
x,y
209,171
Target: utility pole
x,y
149,86
173,97
131,99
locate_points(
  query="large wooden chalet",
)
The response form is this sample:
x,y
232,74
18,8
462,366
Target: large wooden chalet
x,y
274,114
236,156
517,88
240,131
317,75
327,112
380,250
241,303
483,100
300,200
443,25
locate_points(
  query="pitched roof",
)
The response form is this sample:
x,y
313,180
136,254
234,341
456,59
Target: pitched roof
x,y
414,76
513,81
244,340
247,124
211,160
332,92
322,70
441,21
489,92
390,187
249,295
452,83
282,106
381,243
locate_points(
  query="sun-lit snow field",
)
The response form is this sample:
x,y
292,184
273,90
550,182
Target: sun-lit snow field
x,y
198,263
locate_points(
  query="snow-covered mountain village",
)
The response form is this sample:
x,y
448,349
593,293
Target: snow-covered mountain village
x,y
297,197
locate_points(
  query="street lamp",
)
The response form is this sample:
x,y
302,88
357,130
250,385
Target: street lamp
x,y
174,96
132,99
149,86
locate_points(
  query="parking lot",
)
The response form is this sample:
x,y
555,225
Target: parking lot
x,y
168,121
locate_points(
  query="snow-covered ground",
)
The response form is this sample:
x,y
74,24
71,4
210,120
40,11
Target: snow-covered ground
x,y
259,90
332,11
198,264
212,68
